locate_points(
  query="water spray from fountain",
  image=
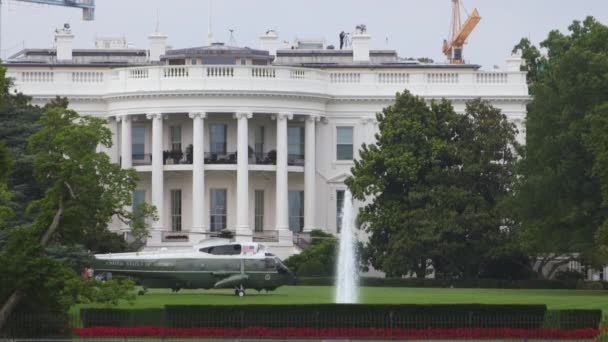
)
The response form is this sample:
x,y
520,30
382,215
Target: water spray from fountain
x,y
347,280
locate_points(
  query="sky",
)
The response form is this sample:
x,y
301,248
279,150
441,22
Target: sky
x,y
415,28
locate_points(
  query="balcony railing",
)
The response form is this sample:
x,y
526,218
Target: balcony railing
x,y
266,236
174,236
423,82
295,159
141,159
220,158
175,157
261,158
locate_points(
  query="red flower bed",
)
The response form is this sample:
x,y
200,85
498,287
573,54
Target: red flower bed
x,y
379,333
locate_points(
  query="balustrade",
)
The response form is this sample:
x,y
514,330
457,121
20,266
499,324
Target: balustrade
x,y
258,72
344,77
393,77
220,71
444,77
175,72
492,77
300,79
87,77
37,76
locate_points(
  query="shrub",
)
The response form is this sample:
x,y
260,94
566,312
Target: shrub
x,y
590,285
448,283
573,319
36,324
121,317
569,275
357,315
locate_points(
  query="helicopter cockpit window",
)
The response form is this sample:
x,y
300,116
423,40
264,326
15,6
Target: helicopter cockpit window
x,y
222,250
270,263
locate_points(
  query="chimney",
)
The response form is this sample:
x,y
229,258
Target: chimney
x,y
360,42
63,43
515,62
158,46
270,42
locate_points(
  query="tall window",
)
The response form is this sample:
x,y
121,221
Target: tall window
x,y
339,209
176,210
217,137
217,200
258,145
296,211
138,142
344,146
259,210
139,197
176,138
295,140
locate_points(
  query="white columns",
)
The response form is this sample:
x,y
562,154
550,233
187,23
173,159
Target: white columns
x,y
126,157
243,231
282,215
113,150
157,174
309,174
198,174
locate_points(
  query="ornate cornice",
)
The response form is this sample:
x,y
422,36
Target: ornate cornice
x,y
241,115
197,115
155,116
282,116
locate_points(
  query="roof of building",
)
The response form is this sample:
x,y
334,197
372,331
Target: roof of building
x,y
80,57
219,50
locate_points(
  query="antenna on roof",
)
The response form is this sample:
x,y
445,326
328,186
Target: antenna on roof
x,y
157,22
209,31
232,40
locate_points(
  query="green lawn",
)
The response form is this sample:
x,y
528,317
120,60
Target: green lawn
x,y
555,299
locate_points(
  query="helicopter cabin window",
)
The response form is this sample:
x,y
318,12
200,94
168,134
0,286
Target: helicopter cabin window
x,y
222,250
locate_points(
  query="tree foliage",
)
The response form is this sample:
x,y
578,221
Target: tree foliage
x,y
317,260
434,180
83,191
563,190
6,166
535,62
18,121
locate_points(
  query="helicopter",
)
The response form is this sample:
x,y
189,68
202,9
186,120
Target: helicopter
x,y
214,265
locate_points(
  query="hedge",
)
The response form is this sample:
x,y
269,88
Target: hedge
x,y
572,319
36,324
461,283
323,315
121,317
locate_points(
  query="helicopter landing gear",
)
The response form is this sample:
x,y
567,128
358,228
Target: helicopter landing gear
x,y
239,291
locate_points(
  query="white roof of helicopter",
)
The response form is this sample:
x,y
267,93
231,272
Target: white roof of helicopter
x,y
249,250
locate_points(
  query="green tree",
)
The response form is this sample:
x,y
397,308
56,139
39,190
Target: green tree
x,y
561,196
318,260
434,180
18,121
6,166
535,62
84,190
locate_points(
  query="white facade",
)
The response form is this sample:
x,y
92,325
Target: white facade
x,y
221,109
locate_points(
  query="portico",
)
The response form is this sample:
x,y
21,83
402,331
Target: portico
x,y
263,151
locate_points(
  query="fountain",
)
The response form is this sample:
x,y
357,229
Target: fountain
x,y
347,290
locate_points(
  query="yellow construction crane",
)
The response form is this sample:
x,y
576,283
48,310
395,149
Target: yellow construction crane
x,y
459,33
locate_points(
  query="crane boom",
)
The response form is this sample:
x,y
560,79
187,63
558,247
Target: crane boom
x,y
88,6
460,33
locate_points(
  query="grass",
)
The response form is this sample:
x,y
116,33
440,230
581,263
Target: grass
x,y
554,299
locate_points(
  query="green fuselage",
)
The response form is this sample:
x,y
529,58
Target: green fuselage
x,y
264,273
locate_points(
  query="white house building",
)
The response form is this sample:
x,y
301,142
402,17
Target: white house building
x,y
258,141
